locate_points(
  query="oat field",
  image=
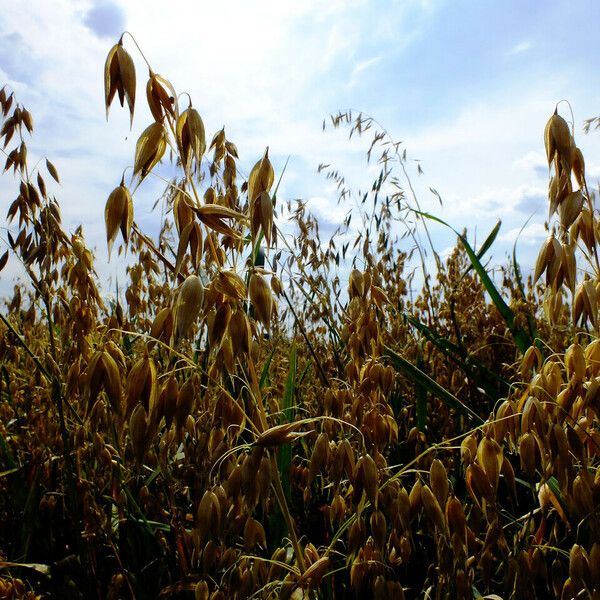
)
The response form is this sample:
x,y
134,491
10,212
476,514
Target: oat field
x,y
265,416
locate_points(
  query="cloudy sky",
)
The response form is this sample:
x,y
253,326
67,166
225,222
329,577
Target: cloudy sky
x,y
467,86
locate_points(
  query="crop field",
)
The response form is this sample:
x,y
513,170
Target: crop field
x,y
259,415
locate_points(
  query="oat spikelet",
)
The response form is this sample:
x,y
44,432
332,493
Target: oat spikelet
x,y
189,304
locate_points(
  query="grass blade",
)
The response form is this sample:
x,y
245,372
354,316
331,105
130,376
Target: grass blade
x,y
419,378
522,339
487,244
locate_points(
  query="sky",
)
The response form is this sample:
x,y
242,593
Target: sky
x,y
466,86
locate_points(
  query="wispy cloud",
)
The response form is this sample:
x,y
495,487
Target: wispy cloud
x,y
520,47
360,67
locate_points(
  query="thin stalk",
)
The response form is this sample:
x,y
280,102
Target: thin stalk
x,y
280,496
322,374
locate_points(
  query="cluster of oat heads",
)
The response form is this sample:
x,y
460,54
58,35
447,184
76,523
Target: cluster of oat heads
x,y
243,421
570,198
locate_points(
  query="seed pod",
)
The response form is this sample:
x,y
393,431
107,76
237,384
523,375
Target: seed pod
x,y
559,444
319,457
432,507
278,435
578,165
489,456
356,284
119,77
582,496
137,432
161,97
549,253
168,401
214,215
149,149
378,528
239,333
264,477
570,208
478,484
142,385
592,357
260,296
356,536
438,479
583,228
230,284
505,422
414,498
118,214
575,362
368,475
310,553
558,188
569,266
558,140
594,562
337,510
112,382
549,141
314,574
254,534
261,216
527,454
208,515
403,504
201,591
185,402
182,210
218,323
261,177
162,326
190,136
276,285
275,570
531,359
189,304
578,565
468,449
455,519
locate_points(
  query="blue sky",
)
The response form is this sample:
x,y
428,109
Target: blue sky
x,y
467,86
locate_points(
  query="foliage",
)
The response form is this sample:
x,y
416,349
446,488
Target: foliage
x,y
240,423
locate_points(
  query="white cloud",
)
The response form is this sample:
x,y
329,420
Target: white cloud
x,y
530,235
271,70
520,47
360,67
532,161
